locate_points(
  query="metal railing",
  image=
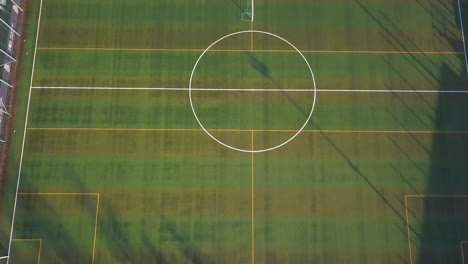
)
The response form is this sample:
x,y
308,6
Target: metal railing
x,y
10,14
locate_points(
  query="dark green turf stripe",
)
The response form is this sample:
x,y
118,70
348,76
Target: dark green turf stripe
x,y
172,69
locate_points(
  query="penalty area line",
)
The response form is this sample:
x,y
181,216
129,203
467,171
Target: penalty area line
x,y
249,90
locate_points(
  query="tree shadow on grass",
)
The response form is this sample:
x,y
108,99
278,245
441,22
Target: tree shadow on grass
x,y
191,252
444,220
264,71
238,6
52,231
259,66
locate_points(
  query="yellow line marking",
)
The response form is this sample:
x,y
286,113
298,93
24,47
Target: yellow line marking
x,y
253,200
95,227
129,49
390,131
32,240
57,193
463,253
244,130
72,194
244,50
408,231
125,129
407,218
40,250
434,196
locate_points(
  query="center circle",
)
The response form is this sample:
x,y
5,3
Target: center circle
x,y
261,69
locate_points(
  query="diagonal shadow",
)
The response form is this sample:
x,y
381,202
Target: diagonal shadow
x,y
445,224
188,250
263,69
238,6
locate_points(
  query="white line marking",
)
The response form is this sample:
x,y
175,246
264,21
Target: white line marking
x,y
390,91
270,148
248,90
106,88
180,89
463,36
24,133
186,89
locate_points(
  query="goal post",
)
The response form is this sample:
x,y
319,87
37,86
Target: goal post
x,y
247,10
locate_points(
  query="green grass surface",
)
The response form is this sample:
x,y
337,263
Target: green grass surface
x,y
172,69
134,166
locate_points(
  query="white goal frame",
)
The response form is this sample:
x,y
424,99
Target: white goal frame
x,y
249,16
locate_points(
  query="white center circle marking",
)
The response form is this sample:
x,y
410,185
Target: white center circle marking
x,y
247,150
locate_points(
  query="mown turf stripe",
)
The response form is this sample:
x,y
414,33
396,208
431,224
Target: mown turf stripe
x,y
249,90
73,194
31,240
245,130
256,50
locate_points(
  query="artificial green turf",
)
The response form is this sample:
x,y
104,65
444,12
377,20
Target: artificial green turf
x,y
443,220
138,24
23,252
172,69
363,24
177,196
149,109
70,234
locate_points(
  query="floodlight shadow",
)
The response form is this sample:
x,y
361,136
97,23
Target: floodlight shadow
x,y
358,172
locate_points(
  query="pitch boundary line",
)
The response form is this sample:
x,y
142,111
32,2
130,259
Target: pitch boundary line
x,y
252,33
25,129
407,215
255,50
98,201
463,36
245,90
32,240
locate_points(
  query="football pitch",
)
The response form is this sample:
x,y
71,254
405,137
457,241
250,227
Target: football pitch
x,y
173,131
